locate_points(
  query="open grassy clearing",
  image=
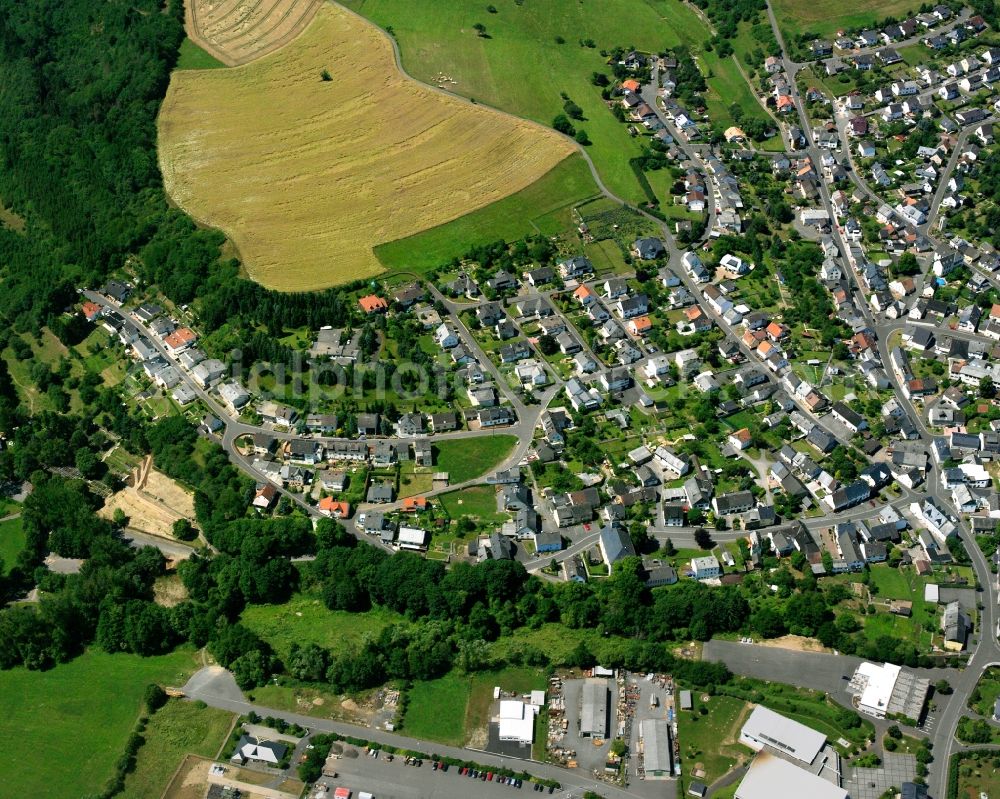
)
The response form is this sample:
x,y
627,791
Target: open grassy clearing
x,y
826,17
436,709
93,700
175,730
305,619
10,220
191,56
727,87
477,501
49,350
11,543
465,459
555,640
236,31
307,175
711,741
522,68
531,210
900,584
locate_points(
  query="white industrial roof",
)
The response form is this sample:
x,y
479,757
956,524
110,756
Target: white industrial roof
x,y
784,734
880,682
655,745
769,777
412,535
517,721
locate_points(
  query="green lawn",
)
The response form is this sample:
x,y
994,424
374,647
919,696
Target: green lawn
x,y
191,56
11,543
436,709
521,68
468,458
555,640
826,17
987,692
968,727
66,727
177,729
726,87
305,619
543,207
900,584
711,740
478,501
9,506
977,775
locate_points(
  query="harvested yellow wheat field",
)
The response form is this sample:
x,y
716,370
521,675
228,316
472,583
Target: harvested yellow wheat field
x,y
307,175
238,31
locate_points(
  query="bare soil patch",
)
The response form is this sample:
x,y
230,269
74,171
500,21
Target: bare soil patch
x,y
152,503
796,643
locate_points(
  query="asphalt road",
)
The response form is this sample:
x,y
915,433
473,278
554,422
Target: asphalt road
x,y
215,686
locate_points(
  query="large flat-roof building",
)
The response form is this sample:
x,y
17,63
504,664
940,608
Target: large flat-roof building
x,y
765,728
594,710
516,721
769,777
889,689
655,735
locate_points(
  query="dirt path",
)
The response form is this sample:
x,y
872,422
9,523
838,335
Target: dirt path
x,y
796,643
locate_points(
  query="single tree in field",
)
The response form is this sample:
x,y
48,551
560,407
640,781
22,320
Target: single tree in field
x,y
563,125
326,76
480,29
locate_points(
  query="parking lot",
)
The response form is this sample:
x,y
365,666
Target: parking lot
x,y
816,670
395,780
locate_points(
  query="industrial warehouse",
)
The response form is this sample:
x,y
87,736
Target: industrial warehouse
x,y
594,712
888,689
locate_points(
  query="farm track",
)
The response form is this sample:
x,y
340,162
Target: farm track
x,y
237,33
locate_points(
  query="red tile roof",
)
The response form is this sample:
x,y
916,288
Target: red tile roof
x,y
373,304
